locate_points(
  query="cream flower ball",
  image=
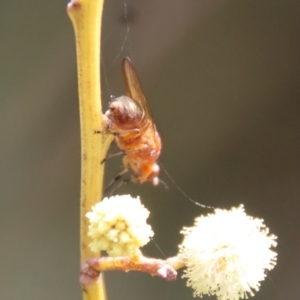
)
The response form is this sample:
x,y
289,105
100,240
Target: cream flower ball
x,y
227,254
118,226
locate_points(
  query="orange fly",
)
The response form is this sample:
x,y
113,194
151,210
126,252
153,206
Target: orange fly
x,y
129,119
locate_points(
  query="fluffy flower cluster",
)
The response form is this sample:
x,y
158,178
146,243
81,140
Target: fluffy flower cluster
x,y
118,226
227,254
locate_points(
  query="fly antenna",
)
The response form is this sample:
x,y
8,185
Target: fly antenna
x,y
182,192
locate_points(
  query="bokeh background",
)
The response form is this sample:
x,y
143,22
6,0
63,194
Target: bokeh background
x,y
222,81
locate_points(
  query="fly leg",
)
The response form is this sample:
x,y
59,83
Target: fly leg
x,y
111,156
116,183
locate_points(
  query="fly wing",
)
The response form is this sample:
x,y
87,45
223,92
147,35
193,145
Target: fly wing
x,y
133,86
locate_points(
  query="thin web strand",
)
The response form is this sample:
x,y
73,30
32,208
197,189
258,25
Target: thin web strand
x,y
183,193
126,35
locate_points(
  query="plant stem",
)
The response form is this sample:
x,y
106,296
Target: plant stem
x,y
165,269
86,16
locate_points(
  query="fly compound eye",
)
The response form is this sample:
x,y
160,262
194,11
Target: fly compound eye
x,y
112,108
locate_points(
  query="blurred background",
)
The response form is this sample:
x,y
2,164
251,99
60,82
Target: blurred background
x,y
222,81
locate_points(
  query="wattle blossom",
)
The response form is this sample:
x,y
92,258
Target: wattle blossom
x,y
227,254
118,226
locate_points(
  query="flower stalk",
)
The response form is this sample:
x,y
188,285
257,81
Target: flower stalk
x,y
86,18
165,269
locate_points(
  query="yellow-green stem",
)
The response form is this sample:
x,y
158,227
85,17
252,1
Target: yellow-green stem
x,y
86,16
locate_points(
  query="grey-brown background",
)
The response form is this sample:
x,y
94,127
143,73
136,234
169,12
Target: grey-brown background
x,y
222,80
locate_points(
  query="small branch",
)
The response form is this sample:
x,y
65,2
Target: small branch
x,y
86,18
165,269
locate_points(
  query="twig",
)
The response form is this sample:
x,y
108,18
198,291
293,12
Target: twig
x,y
165,269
